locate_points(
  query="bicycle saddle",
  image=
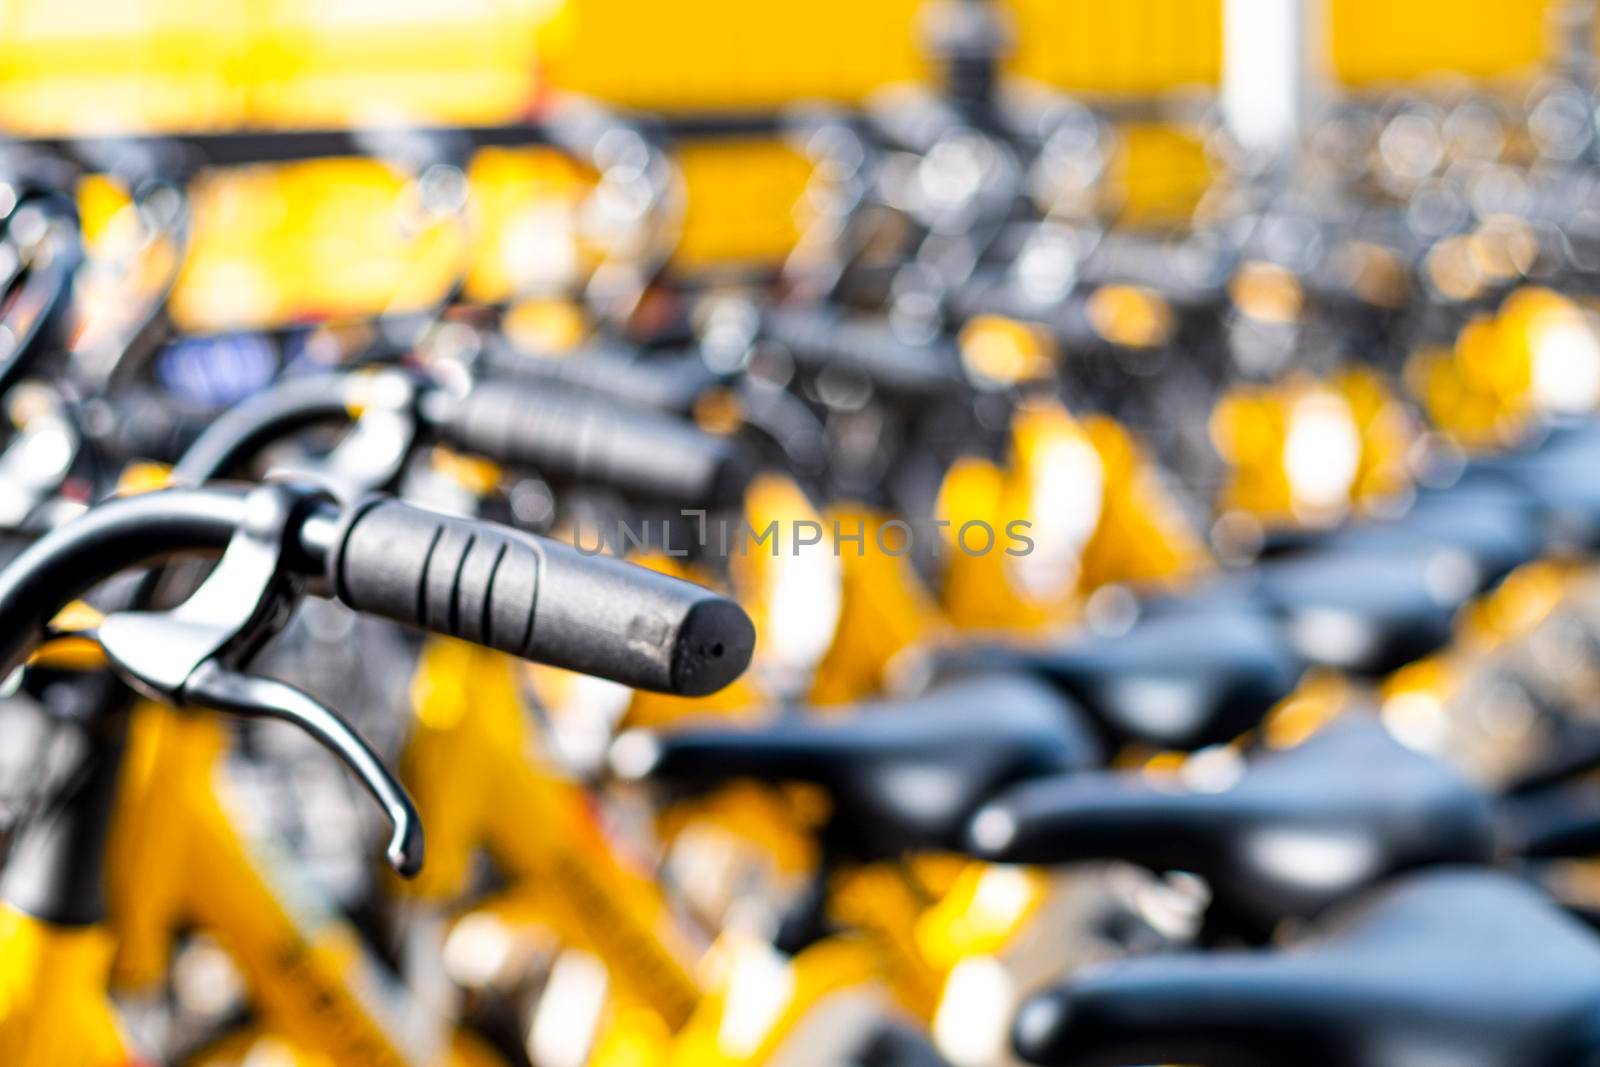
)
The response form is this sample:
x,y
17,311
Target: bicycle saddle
x,y
1368,611
1497,525
1558,476
902,775
1298,831
1556,819
1180,678
1496,528
1464,967
896,1044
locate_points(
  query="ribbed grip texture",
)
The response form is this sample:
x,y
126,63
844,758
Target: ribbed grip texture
x,y
537,599
459,577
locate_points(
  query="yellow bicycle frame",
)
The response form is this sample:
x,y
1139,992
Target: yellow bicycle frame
x,y
478,781
1088,502
907,929
176,859
54,1011
478,784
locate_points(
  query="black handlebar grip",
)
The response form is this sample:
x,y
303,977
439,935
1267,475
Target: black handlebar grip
x,y
818,339
670,382
538,599
574,435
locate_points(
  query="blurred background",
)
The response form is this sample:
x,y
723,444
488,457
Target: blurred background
x,y
261,250
1180,282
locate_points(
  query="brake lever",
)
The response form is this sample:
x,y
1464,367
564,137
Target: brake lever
x,y
191,655
36,460
372,454
215,686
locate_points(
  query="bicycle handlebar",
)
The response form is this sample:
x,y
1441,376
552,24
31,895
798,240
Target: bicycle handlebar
x,y
818,339
456,576
670,382
120,534
564,432
37,307
537,599
241,432
569,434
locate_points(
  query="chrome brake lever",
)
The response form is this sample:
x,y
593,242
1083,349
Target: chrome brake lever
x,y
191,655
215,686
372,454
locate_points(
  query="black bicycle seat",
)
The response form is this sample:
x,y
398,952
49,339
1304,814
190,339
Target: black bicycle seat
x,y
1496,528
1366,611
1496,524
897,1044
1558,476
1557,818
1180,678
1299,830
1466,967
1570,432
902,775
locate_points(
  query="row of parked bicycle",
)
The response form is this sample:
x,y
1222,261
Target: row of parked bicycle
x,y
995,633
